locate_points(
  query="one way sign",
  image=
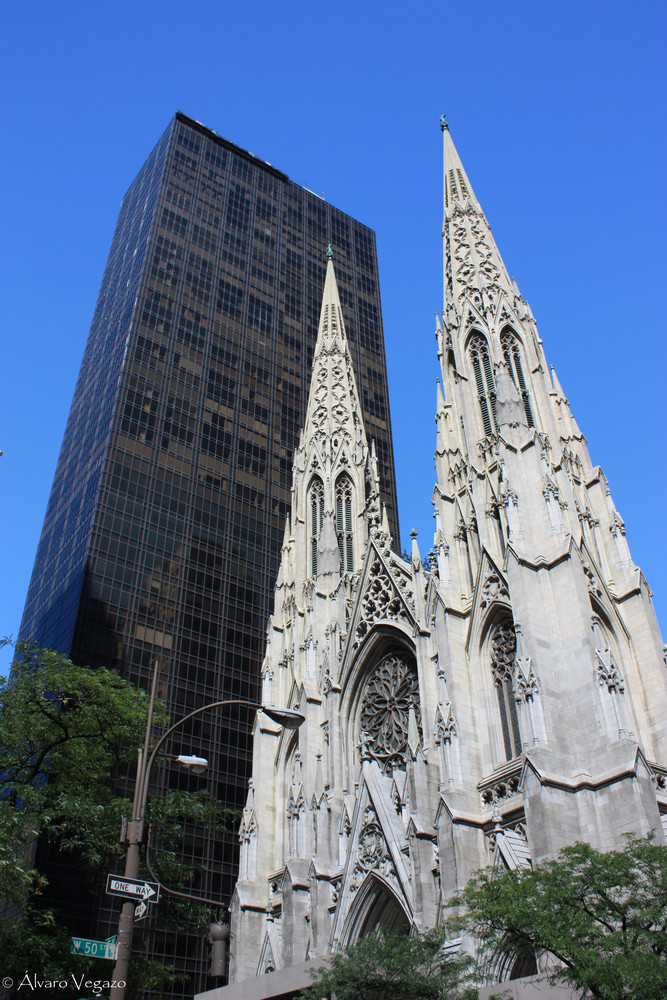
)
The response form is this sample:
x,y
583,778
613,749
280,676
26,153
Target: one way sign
x,y
132,888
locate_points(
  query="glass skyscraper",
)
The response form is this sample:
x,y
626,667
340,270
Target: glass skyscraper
x,y
163,530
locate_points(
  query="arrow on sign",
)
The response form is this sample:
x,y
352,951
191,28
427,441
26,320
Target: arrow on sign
x,y
132,888
140,911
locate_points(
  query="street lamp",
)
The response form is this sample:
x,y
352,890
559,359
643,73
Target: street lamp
x,y
285,717
196,764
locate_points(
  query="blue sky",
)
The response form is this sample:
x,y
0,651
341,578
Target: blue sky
x,y
558,112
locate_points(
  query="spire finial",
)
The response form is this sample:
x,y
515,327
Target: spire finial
x,y
329,253
444,125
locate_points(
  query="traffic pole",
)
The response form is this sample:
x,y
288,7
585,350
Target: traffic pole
x,y
135,830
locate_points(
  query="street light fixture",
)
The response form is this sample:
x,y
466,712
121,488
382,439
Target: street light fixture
x,y
195,764
286,717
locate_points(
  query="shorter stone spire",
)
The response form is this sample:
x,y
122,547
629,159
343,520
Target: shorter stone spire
x,y
335,484
333,405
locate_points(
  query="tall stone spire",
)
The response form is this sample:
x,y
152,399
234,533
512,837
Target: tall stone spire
x,y
473,265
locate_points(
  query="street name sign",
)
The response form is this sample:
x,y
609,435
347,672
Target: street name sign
x,y
132,888
94,949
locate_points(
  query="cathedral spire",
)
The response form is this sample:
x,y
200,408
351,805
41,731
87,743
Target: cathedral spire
x,y
333,410
473,267
335,470
457,187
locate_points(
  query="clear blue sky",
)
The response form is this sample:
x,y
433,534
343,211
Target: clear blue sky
x,y
557,109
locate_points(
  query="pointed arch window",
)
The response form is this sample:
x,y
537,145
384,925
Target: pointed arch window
x,y
503,655
609,677
512,355
315,515
486,387
344,524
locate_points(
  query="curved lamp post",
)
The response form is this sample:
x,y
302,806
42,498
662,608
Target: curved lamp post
x,y
285,717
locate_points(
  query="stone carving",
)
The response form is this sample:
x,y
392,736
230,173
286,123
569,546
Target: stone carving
x,y
494,589
518,828
326,683
607,672
484,251
473,257
331,394
617,524
501,785
249,819
592,582
297,802
276,882
373,853
335,888
659,776
289,608
380,602
391,690
445,726
503,653
526,685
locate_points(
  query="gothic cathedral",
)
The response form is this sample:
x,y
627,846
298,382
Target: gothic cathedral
x,y
487,705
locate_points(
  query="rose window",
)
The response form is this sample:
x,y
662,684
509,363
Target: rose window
x,y
390,691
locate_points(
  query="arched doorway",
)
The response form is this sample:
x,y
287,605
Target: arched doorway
x,y
376,907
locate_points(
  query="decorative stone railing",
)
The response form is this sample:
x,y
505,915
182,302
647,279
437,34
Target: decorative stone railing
x,y
501,784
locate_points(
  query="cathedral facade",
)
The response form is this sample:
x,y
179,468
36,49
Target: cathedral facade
x,y
487,704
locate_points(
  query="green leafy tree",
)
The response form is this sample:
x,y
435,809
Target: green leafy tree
x,y
65,731
387,966
603,916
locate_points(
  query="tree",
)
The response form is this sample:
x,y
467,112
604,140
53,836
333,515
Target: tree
x,y
386,966
602,916
65,731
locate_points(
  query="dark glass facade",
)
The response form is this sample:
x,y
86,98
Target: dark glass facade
x,y
163,531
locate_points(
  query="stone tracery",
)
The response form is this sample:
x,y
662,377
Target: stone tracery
x,y
373,853
390,691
